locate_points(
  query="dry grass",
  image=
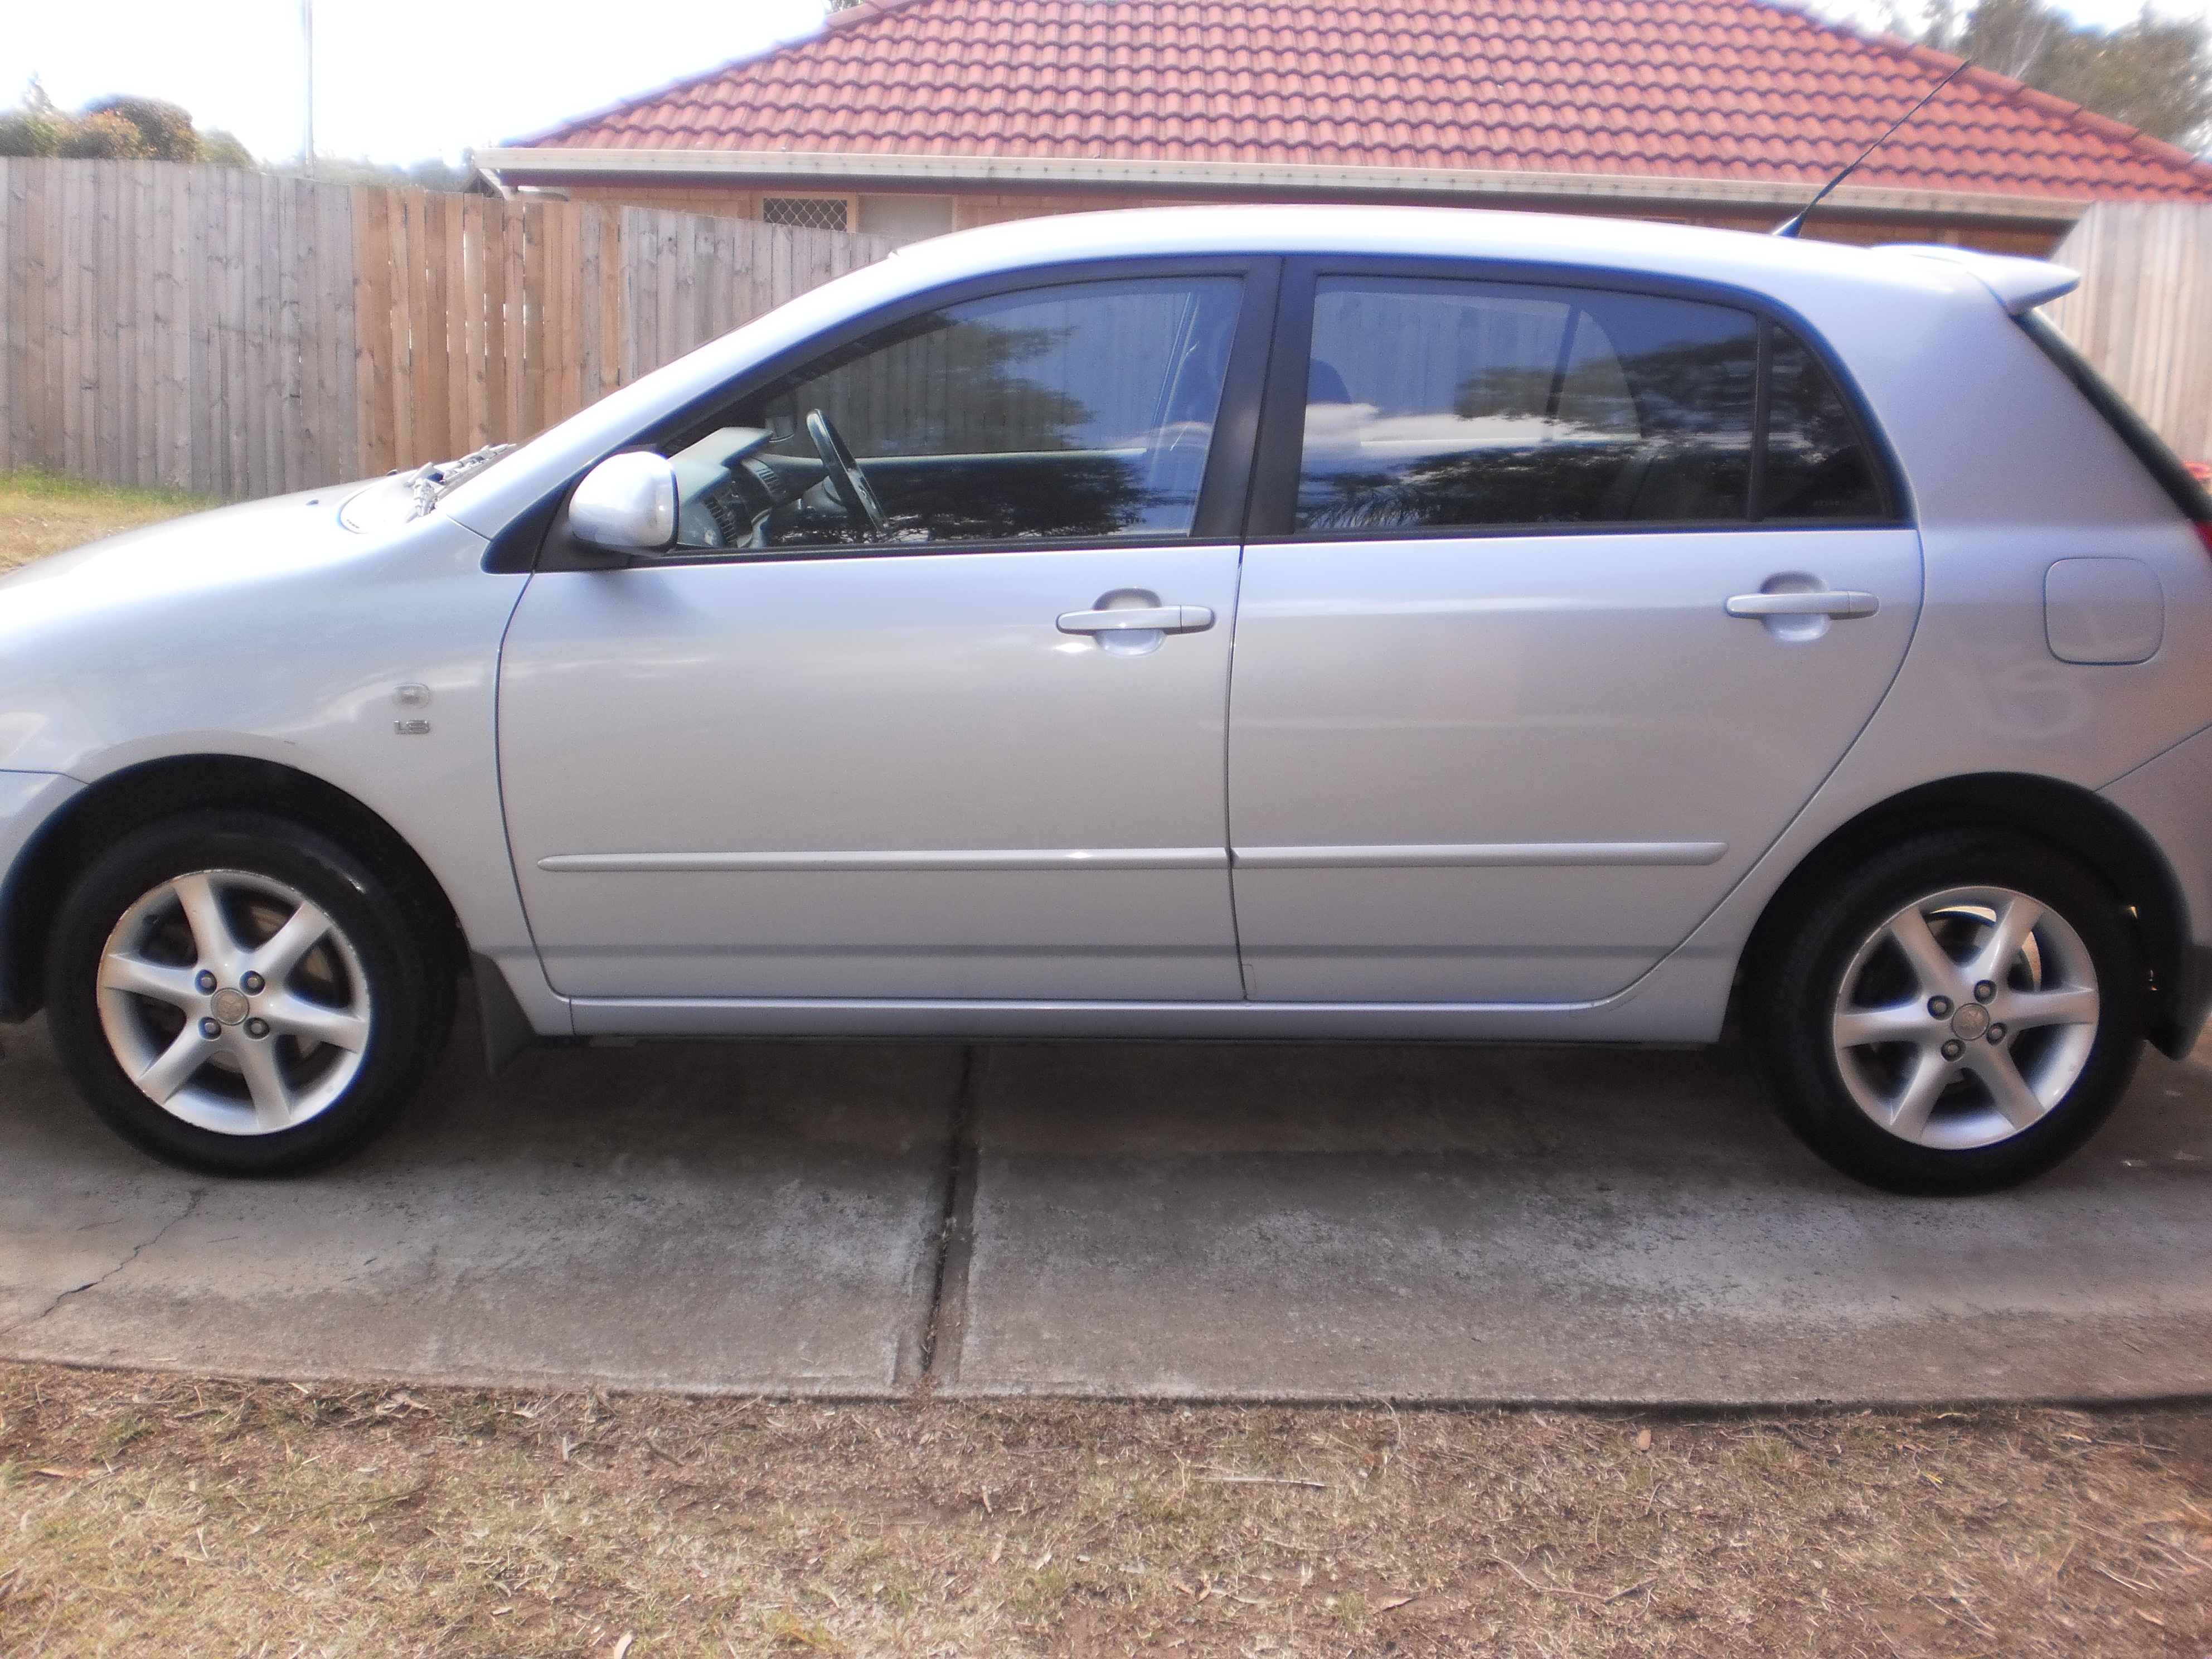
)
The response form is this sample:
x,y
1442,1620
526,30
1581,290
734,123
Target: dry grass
x,y
145,1514
43,513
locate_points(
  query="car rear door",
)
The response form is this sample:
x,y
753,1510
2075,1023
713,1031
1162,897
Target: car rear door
x,y
1562,598
799,758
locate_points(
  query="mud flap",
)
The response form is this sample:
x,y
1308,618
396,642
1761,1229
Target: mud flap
x,y
507,1029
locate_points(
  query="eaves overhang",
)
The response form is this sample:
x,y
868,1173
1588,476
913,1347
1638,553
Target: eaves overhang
x,y
509,169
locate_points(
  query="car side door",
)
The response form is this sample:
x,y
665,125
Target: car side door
x,y
1563,594
929,700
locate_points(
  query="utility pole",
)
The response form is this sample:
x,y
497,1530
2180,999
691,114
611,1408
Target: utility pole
x,y
307,51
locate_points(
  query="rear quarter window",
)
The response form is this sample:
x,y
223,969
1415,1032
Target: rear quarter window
x,y
1817,464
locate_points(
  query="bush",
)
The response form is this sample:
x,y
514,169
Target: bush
x,y
114,130
166,128
108,137
219,150
32,132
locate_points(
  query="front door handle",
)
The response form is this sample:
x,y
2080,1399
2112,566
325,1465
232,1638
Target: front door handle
x,y
1832,602
1156,619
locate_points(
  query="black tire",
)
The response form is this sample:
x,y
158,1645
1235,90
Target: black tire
x,y
379,969
1802,1022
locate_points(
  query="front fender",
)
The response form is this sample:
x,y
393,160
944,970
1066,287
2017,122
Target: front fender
x,y
367,662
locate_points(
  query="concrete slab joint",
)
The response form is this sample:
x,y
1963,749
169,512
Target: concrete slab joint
x,y
944,1320
1235,1222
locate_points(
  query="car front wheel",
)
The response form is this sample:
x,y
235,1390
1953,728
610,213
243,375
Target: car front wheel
x,y
1955,1016
240,995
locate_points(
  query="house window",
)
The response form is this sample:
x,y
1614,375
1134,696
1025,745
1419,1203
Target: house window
x,y
808,212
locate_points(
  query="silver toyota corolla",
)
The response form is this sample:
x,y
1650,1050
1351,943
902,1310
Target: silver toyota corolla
x,y
1256,623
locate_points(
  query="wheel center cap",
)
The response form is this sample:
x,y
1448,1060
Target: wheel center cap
x,y
1970,1022
231,1007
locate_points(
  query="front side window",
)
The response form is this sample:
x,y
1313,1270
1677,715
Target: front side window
x,y
1083,412
1435,403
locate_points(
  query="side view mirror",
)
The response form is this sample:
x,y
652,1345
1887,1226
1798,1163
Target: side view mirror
x,y
625,504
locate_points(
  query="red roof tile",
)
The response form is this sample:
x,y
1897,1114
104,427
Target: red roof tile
x,y
1738,89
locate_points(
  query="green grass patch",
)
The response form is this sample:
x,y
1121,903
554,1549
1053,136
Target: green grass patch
x,y
43,512
39,485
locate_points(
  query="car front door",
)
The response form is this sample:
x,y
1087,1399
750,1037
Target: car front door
x,y
1562,600
929,700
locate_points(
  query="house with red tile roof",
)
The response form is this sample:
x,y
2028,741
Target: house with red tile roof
x,y
913,117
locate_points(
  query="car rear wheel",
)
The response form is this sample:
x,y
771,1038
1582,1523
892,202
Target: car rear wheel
x,y
1955,1016
239,995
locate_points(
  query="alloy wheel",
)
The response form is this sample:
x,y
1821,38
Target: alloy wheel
x,y
1966,1018
234,1002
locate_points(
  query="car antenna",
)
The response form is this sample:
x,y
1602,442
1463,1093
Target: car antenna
x,y
1790,226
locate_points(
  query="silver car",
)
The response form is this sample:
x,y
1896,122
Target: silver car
x,y
1265,622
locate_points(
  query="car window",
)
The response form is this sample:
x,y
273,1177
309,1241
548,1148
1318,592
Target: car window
x,y
1078,411
1816,467
1440,403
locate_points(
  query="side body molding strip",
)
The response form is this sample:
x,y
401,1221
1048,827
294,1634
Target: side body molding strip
x,y
1040,858
1480,854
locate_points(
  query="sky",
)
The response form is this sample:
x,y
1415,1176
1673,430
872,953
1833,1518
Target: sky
x,y
400,80
396,81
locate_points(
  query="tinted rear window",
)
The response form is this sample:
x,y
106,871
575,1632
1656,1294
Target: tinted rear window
x,y
1436,404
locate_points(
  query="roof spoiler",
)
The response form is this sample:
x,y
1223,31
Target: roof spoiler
x,y
2020,285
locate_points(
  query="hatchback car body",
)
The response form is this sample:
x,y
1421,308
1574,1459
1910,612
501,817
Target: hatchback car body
x,y
1251,623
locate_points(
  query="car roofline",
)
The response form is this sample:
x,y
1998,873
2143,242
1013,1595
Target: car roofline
x,y
1789,272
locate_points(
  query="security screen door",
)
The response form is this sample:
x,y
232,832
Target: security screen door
x,y
1496,734
877,731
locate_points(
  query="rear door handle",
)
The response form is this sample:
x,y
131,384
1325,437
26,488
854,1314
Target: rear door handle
x,y
1159,618
1834,601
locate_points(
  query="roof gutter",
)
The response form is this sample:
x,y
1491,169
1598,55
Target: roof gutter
x,y
512,167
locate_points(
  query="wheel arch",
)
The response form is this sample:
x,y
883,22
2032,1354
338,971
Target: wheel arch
x,y
2064,816
102,813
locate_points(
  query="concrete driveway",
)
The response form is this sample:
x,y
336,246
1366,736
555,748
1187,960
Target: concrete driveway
x,y
1215,1221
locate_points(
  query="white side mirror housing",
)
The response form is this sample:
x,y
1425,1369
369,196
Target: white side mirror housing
x,y
625,504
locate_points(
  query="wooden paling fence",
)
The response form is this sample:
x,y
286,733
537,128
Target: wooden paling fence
x,y
244,335
2143,313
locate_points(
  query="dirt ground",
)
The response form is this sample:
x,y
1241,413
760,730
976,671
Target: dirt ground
x,y
43,513
157,1515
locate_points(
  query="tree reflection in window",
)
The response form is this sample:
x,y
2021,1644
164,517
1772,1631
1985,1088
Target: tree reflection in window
x,y
1078,411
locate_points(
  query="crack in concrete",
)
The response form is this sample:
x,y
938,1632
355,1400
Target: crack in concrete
x,y
191,1202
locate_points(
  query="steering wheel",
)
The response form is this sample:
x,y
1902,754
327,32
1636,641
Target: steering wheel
x,y
844,471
